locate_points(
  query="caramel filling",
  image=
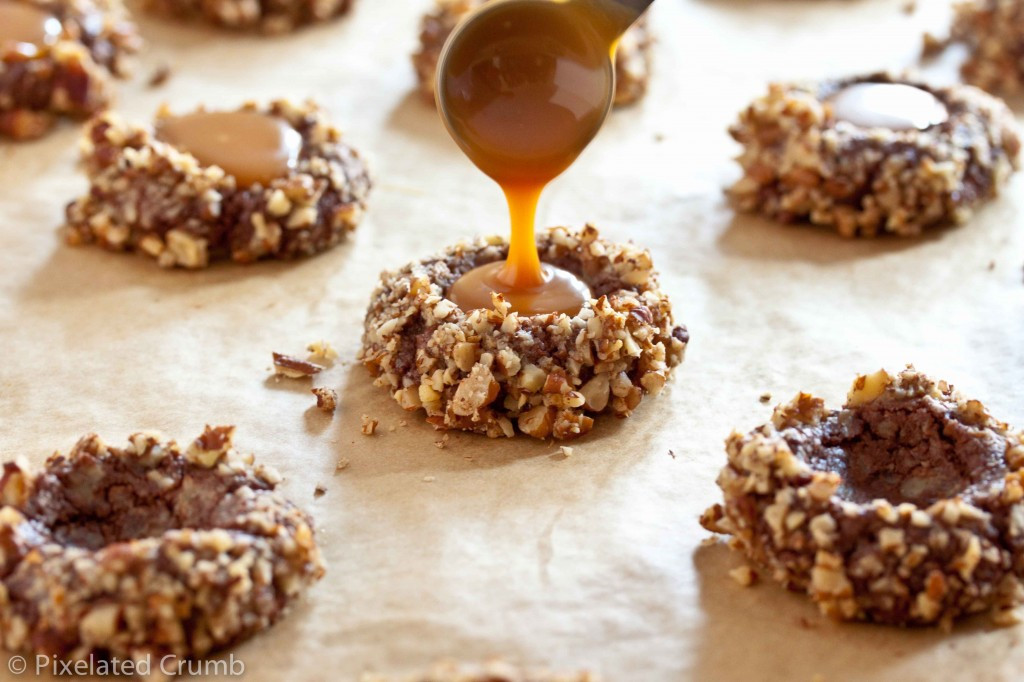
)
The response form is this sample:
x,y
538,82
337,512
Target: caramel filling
x,y
560,291
888,105
27,26
252,147
523,88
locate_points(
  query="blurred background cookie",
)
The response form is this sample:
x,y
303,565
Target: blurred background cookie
x,y
274,181
632,59
57,58
993,31
873,154
269,16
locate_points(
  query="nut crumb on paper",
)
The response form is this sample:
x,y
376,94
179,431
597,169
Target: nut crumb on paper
x,y
326,399
932,45
806,623
369,426
743,575
322,350
160,76
294,368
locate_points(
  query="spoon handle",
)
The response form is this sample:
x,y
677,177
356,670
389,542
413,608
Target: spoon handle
x,y
637,6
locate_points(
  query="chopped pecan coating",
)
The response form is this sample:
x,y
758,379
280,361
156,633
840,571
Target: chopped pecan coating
x,y
491,671
493,371
993,31
743,575
801,164
72,76
906,507
147,550
632,58
149,197
932,45
268,16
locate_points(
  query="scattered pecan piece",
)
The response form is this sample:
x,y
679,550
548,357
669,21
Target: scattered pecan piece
x,y
294,368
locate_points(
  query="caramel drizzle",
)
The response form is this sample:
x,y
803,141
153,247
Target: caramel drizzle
x,y
523,88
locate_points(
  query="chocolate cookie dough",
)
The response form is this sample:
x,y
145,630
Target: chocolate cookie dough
x,y
148,195
269,16
147,550
905,507
494,671
57,58
873,154
491,371
993,31
632,59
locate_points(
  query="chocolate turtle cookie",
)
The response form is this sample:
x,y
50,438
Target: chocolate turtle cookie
x,y
493,671
260,182
873,154
147,550
491,371
57,58
993,31
905,507
269,16
632,59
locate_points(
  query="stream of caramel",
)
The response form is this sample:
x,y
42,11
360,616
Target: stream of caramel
x,y
523,88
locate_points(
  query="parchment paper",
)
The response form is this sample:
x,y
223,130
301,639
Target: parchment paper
x,y
509,548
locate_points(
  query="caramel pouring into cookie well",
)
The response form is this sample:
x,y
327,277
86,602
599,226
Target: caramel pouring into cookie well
x,y
252,147
523,87
895,106
27,27
560,292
